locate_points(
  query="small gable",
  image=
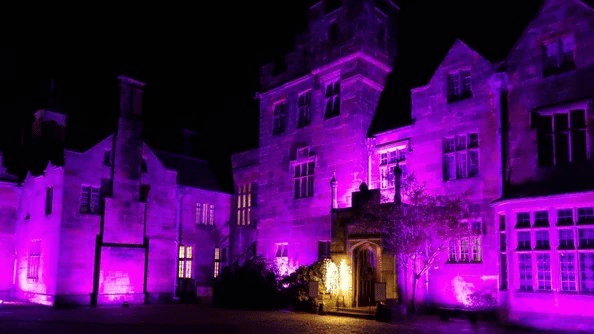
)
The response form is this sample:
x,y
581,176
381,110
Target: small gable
x,y
459,56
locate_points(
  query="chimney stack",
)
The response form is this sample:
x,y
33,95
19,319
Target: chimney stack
x,y
130,97
188,141
397,185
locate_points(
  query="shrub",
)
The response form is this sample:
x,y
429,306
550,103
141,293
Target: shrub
x,y
250,286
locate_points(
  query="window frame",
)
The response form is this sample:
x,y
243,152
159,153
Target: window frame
x,y
459,85
91,200
467,249
303,185
332,99
204,214
185,259
304,111
547,132
279,117
387,164
34,259
454,152
557,63
244,203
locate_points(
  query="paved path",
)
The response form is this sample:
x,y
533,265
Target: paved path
x,y
203,319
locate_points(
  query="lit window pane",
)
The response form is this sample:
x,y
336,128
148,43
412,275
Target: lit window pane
x,y
180,269
182,252
189,269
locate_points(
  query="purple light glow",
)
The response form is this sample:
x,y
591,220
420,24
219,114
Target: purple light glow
x,y
463,290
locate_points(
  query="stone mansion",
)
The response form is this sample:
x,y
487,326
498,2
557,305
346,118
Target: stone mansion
x,y
123,222
516,134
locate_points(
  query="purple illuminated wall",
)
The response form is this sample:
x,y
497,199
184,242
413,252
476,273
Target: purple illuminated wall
x,y
337,142
9,202
499,116
125,251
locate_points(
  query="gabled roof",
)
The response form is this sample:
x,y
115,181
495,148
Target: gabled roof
x,y
491,36
191,172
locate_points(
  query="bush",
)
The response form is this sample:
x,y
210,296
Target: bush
x,y
294,287
249,286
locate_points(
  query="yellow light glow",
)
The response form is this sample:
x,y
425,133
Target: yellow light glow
x,y
188,269
216,269
182,252
345,277
188,252
180,270
331,276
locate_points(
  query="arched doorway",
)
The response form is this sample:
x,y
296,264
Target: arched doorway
x,y
366,267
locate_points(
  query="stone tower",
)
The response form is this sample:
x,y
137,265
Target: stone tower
x,y
315,110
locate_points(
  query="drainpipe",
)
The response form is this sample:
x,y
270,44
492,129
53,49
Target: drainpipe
x,y
178,237
499,85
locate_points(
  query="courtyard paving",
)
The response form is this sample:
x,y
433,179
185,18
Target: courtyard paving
x,y
178,318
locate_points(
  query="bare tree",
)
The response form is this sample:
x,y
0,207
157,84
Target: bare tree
x,y
418,230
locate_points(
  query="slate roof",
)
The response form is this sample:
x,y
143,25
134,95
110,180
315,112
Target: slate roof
x,y
191,172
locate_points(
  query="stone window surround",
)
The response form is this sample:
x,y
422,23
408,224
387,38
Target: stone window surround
x,y
463,92
389,166
279,120
331,79
300,161
473,244
304,111
455,153
585,105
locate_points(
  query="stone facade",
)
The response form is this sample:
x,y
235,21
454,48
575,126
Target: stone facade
x,y
9,206
314,116
116,223
545,216
513,135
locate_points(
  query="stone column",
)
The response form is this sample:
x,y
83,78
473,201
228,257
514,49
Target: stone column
x,y
333,182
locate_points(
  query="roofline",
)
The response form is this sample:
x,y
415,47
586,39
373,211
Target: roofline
x,y
339,61
503,201
458,39
403,127
176,154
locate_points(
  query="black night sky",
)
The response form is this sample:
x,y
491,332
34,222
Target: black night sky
x,y
201,64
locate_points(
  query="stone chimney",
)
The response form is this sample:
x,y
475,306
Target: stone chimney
x,y
397,185
130,97
188,141
333,182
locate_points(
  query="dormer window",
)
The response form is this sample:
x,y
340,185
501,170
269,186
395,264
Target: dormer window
x,y
459,86
559,55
